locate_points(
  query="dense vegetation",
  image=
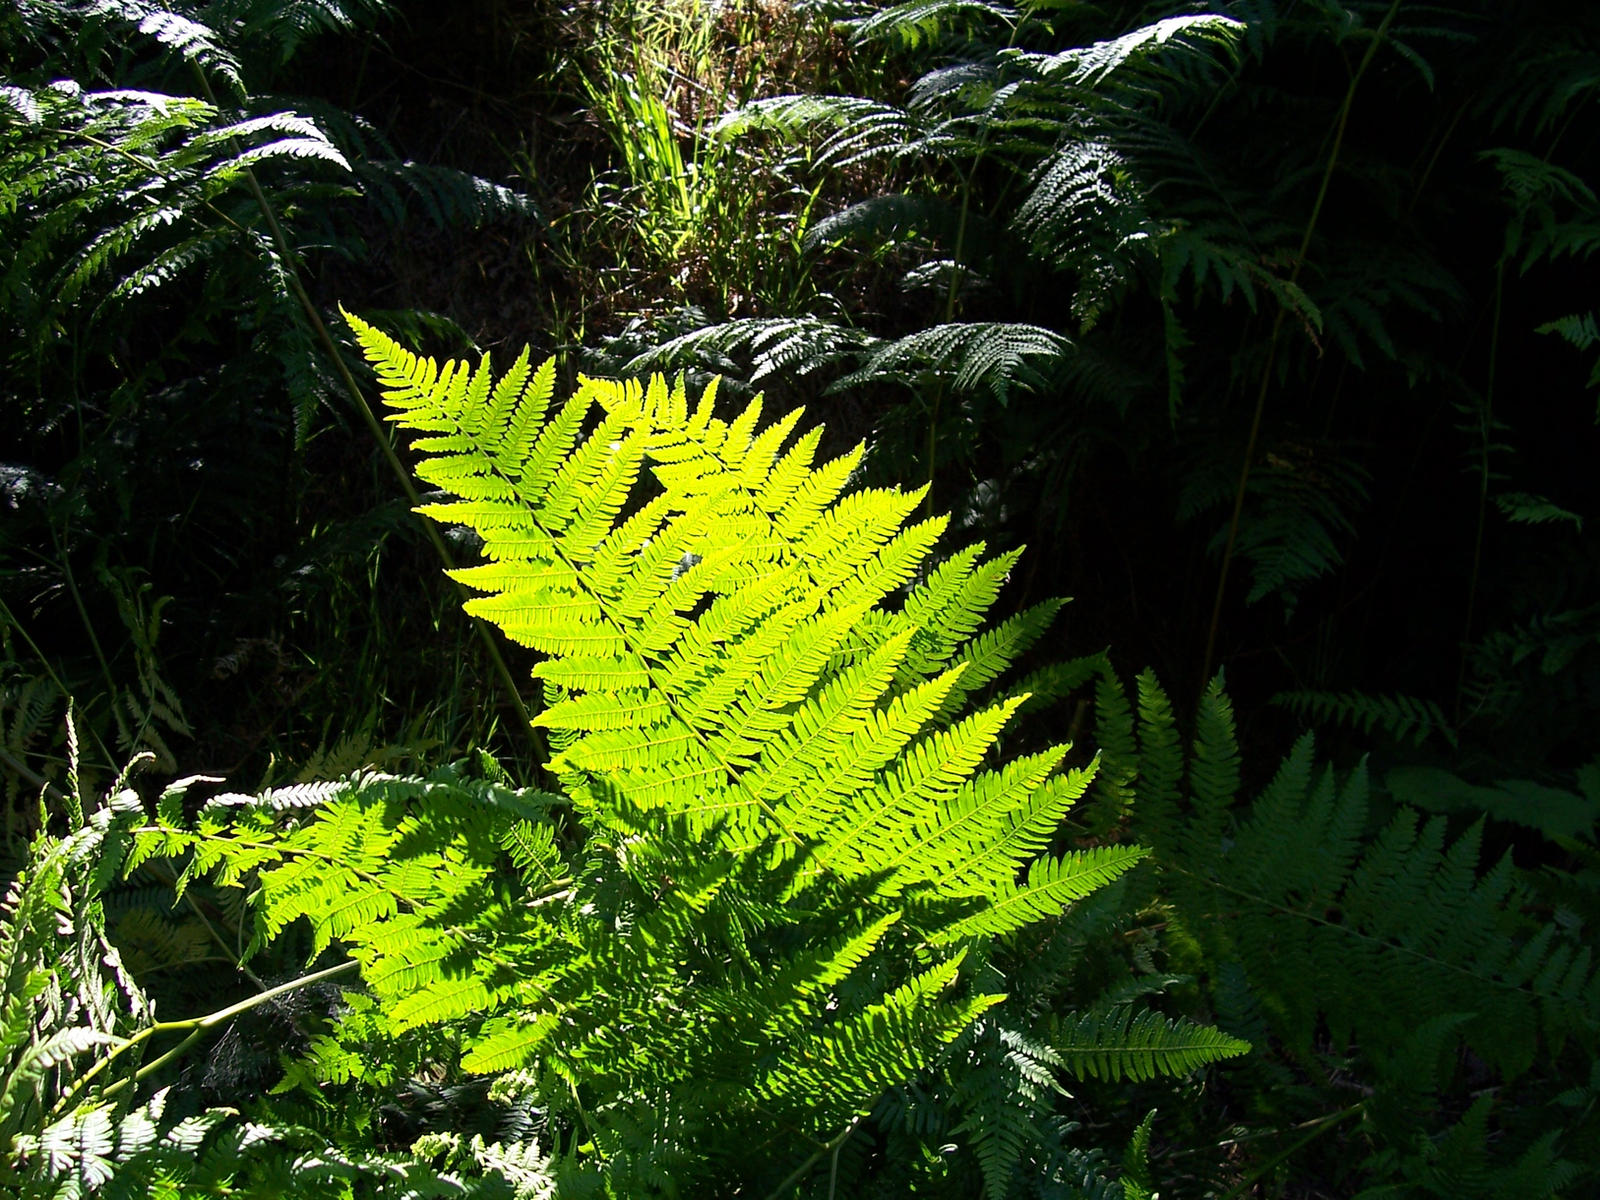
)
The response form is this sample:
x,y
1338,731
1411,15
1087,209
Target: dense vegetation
x,y
617,789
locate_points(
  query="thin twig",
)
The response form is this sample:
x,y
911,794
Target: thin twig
x,y
830,1147
194,1027
1277,328
291,261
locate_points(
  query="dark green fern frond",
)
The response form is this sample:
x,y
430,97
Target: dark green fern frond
x,y
1559,814
1389,947
1413,916
1400,717
27,706
283,25
1299,507
1581,330
1213,774
160,166
1006,1088
446,197
889,218
766,346
1555,213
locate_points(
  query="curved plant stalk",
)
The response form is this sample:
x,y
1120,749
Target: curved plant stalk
x,y
957,273
1485,422
830,1148
196,1028
291,261
1277,328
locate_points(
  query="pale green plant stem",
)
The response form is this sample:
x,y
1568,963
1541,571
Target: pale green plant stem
x,y
195,1027
14,763
957,273
232,952
1485,429
1340,125
830,1148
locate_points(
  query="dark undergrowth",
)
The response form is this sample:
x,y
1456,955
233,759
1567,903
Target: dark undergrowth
x,y
1267,327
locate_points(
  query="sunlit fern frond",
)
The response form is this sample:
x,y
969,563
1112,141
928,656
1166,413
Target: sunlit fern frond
x,y
767,705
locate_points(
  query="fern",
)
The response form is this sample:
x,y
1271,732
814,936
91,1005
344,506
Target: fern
x,y
1098,63
794,838
72,1023
996,358
1582,331
1075,143
1399,717
1298,510
917,23
109,195
1346,935
778,347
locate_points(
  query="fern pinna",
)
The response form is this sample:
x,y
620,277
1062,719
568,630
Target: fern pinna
x,y
790,839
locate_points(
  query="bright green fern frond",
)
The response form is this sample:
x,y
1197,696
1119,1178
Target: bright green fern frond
x,y
1052,884
789,831
1126,1043
706,629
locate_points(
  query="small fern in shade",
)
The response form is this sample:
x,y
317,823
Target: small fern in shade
x,y
768,714
1385,946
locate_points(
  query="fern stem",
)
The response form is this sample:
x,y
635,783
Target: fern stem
x,y
1485,430
1340,125
1433,159
291,263
830,1147
232,952
13,763
957,273
194,1027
